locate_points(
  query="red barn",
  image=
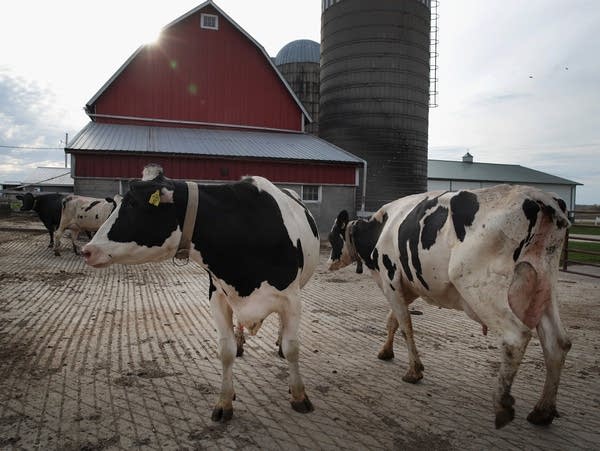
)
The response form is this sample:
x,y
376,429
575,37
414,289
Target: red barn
x,y
208,104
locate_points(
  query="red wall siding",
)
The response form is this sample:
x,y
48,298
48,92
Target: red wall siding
x,y
195,168
195,74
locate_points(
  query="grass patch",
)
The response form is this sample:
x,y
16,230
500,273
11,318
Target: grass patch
x,y
575,246
584,230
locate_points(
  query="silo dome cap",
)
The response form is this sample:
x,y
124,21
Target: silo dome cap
x,y
299,51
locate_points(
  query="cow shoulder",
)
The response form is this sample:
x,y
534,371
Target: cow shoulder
x,y
464,207
241,236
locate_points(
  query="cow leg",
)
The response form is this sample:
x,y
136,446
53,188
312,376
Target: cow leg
x,y
290,323
74,236
387,351
400,307
486,295
57,237
514,341
514,344
51,233
223,317
278,342
555,345
240,339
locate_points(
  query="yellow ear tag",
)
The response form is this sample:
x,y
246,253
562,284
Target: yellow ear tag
x,y
155,198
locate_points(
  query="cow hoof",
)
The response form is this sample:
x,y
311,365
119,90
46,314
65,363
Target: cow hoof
x,y
504,417
386,354
304,406
240,351
414,373
412,378
220,414
505,412
57,253
542,417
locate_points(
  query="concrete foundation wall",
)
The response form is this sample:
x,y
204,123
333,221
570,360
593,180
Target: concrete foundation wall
x,y
333,200
97,187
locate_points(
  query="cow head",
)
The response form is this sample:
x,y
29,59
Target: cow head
x,y
343,252
28,201
142,228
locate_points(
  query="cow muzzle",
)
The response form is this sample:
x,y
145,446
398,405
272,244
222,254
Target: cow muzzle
x,y
94,256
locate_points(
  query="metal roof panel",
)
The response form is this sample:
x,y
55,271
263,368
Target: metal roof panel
x,y
208,142
43,175
490,172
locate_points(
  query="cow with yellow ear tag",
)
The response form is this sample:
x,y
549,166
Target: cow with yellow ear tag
x,y
258,243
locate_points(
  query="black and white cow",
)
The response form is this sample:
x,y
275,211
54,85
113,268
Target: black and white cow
x,y
82,214
259,245
48,206
493,253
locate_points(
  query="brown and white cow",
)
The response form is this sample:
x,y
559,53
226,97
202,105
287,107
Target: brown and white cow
x,y
493,253
82,214
258,243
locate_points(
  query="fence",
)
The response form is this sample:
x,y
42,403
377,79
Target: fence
x,y
581,252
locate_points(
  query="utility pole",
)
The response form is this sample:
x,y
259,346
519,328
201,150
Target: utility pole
x,y
66,144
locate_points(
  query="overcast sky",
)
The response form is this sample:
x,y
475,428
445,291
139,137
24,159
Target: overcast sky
x,y
519,81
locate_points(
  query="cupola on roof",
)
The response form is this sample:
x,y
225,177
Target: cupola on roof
x,y
299,51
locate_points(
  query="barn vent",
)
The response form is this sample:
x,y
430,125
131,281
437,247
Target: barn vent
x,y
209,21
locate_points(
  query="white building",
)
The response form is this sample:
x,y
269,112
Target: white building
x,y
466,174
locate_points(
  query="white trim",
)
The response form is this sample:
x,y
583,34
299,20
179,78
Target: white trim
x,y
311,201
175,121
203,23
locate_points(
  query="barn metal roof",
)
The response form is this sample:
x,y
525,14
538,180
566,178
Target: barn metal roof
x,y
208,142
490,172
49,176
271,61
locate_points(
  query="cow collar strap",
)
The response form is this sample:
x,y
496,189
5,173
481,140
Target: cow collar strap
x,y
183,251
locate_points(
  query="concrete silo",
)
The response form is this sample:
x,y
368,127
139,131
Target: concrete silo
x,y
374,90
298,62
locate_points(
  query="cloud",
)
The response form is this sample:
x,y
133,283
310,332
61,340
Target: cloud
x,y
29,117
518,85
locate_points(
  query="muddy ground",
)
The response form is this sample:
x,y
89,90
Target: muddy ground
x,y
125,358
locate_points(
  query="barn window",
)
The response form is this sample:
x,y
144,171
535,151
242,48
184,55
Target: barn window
x,y
209,21
311,193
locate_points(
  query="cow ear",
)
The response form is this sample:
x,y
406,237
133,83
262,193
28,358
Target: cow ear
x,y
342,219
152,172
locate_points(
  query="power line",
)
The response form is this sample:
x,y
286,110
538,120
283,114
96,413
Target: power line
x,y
31,147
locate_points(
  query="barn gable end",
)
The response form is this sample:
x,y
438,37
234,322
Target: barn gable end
x,y
195,76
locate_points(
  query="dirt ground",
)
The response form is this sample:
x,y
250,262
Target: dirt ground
x,y
125,358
